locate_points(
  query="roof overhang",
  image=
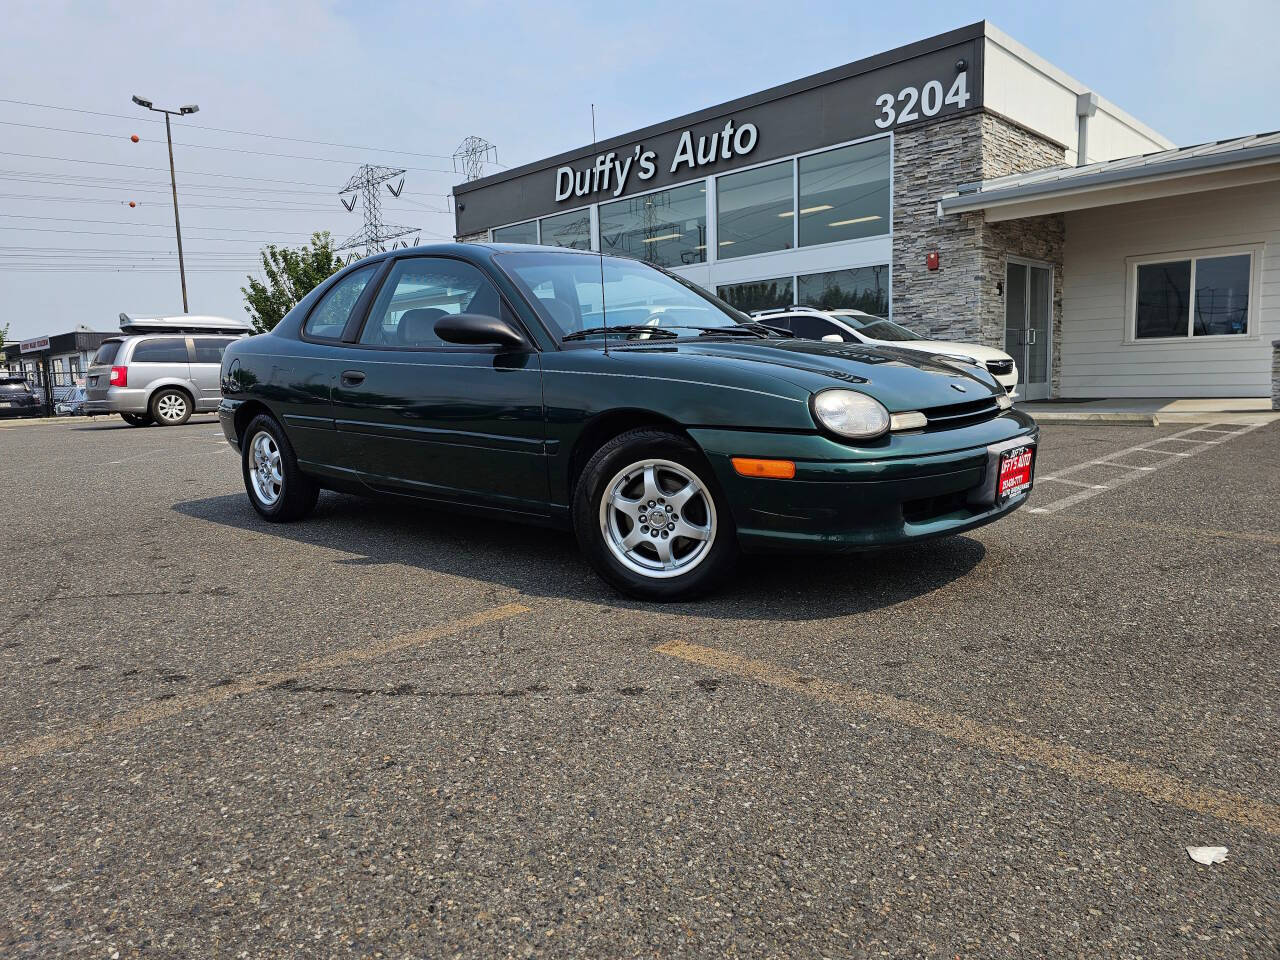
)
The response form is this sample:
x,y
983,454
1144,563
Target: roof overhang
x,y
1113,185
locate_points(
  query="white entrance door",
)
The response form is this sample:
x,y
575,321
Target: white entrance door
x,y
1028,325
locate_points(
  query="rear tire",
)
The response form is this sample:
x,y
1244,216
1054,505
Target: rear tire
x,y
650,517
171,407
277,488
137,419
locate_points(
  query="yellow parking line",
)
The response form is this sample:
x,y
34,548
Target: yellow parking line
x,y
161,710
1071,761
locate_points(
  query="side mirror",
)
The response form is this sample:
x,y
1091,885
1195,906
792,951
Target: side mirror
x,y
476,329
833,338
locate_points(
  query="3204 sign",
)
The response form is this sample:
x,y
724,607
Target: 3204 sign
x,y
915,103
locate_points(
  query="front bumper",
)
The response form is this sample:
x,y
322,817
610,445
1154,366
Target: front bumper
x,y
851,499
227,420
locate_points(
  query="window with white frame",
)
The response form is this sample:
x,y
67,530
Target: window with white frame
x,y
1198,295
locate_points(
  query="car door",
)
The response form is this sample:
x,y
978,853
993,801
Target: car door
x,y
206,369
157,361
418,415
300,377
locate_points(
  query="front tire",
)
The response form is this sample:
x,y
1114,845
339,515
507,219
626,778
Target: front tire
x,y
171,408
650,518
277,488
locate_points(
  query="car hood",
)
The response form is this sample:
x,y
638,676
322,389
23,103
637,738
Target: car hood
x,y
899,379
978,351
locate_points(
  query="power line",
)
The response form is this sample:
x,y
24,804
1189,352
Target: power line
x,y
101,233
285,206
129,223
190,173
241,133
207,146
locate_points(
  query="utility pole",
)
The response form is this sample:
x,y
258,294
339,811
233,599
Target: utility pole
x,y
173,181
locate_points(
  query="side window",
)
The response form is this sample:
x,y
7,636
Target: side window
x,y
773,320
812,328
421,290
210,349
163,350
330,316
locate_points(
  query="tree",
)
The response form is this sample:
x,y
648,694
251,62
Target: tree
x,y
291,274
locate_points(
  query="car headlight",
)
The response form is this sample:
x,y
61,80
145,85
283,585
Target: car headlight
x,y
850,414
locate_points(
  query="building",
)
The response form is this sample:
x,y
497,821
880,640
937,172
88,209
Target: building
x,y
961,184
67,355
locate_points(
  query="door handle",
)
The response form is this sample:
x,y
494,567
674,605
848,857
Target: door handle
x,y
352,378
1031,336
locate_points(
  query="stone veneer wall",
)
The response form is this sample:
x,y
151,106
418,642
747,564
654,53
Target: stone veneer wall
x,y
481,237
959,300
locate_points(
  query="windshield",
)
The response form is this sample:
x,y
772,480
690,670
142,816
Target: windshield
x,y
878,328
577,292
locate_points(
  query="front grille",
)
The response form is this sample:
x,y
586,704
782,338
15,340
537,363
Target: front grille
x,y
931,508
961,414
1000,367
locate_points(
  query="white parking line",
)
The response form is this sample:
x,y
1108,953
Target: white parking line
x,y
1132,472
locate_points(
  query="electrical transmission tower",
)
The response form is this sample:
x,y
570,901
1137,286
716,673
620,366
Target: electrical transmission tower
x,y
363,186
471,156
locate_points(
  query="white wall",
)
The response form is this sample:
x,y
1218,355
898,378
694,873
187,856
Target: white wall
x,y
1097,361
1033,92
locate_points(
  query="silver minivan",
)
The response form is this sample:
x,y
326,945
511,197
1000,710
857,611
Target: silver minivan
x,y
163,370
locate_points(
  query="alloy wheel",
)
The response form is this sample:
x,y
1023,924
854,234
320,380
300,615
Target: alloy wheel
x,y
171,408
658,518
265,472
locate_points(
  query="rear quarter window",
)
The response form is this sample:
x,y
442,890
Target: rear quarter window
x,y
165,350
106,353
211,349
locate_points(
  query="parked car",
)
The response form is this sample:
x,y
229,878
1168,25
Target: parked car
x,y
490,378
17,399
855,326
162,371
72,405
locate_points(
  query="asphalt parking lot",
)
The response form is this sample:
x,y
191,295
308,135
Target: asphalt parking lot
x,y
387,731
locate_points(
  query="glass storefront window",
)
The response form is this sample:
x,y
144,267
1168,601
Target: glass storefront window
x,y
757,294
571,230
844,193
667,228
517,233
754,211
862,288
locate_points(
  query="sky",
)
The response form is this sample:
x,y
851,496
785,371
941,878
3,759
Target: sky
x,y
403,84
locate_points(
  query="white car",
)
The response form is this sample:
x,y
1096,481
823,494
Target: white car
x,y
855,326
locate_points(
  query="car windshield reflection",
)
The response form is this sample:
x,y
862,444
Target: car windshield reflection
x,y
576,293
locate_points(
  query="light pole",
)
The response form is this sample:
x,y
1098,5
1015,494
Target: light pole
x,y
173,181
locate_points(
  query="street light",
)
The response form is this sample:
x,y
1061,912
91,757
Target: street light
x,y
173,180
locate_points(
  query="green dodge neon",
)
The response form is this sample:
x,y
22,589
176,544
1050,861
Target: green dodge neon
x,y
669,430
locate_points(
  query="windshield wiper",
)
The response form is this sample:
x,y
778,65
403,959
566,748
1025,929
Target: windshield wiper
x,y
732,329
619,328
780,331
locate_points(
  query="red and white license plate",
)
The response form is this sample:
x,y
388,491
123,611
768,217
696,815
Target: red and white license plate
x,y
1015,472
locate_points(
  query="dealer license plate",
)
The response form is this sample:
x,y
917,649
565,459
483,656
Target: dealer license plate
x,y
1015,472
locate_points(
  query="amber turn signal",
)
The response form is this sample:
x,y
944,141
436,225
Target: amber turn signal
x,y
774,469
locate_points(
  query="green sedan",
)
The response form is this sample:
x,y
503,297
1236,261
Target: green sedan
x,y
668,430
